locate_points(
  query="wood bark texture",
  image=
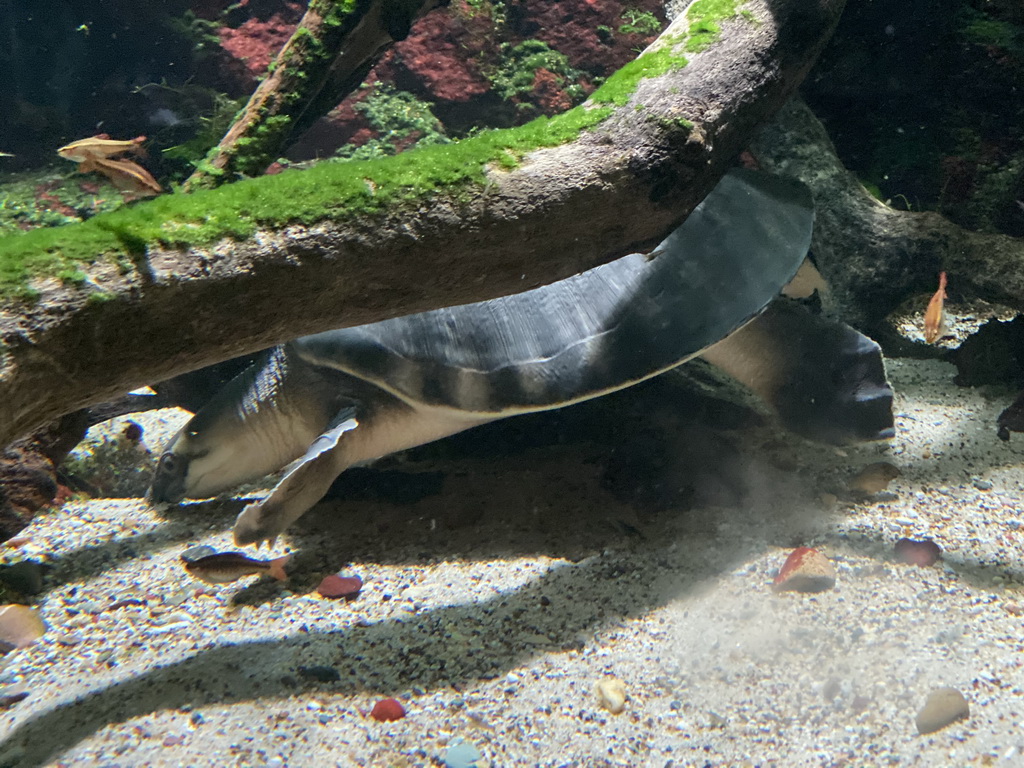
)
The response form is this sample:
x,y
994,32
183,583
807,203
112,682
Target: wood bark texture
x,y
615,189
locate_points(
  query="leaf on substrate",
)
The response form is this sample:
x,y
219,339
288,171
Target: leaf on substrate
x,y
611,695
943,707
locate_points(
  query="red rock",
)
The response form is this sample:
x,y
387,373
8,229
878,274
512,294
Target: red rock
x,y
132,432
548,94
387,710
334,586
749,160
571,27
64,494
28,482
805,570
919,552
20,626
256,42
342,125
437,57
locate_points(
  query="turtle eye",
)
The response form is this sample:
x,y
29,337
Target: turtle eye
x,y
168,463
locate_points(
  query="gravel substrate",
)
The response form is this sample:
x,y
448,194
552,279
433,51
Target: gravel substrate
x,y
492,610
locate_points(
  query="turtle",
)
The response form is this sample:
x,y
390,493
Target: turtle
x,y
327,401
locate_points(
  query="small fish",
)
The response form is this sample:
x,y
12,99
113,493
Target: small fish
x,y
874,478
130,178
1011,419
6,154
100,146
933,315
225,567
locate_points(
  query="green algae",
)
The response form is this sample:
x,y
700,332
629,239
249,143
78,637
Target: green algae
x,y
704,16
399,119
516,75
239,209
618,88
637,22
704,30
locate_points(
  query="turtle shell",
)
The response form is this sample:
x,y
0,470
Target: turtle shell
x,y
597,331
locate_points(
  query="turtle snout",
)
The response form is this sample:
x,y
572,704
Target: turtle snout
x,y
850,402
168,486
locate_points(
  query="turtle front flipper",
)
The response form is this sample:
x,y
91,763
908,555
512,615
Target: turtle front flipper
x,y
301,487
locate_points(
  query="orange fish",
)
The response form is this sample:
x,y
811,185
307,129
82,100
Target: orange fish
x,y
933,315
130,178
225,567
100,146
97,154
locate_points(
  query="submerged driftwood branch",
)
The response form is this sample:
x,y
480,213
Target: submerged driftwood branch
x,y
329,54
616,188
874,256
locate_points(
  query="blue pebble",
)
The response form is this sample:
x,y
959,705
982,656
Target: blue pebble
x,y
461,754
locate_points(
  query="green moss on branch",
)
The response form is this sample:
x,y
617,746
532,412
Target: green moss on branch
x,y
330,189
238,210
704,17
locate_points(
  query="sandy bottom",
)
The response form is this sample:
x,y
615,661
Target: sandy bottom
x,y
512,573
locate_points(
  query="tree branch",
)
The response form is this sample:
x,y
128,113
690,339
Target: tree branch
x,y
329,54
415,232
874,256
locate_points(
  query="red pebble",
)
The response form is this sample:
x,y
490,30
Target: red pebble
x,y
340,586
919,552
132,432
63,494
386,710
805,570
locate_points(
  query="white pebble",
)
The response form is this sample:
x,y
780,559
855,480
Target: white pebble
x,y
611,694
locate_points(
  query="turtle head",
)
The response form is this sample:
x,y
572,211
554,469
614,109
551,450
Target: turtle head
x,y
836,392
170,482
823,379
206,457
250,428
261,420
